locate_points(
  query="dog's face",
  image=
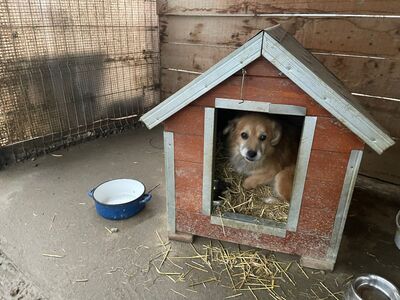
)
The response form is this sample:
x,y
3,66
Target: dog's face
x,y
253,136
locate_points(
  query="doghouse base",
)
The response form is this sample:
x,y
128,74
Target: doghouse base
x,y
321,264
180,237
317,259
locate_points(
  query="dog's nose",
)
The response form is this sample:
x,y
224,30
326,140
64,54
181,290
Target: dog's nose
x,y
251,154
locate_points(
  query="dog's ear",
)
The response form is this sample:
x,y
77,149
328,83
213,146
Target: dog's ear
x,y
230,127
276,134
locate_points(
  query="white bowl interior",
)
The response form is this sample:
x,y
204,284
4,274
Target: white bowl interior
x,y
118,191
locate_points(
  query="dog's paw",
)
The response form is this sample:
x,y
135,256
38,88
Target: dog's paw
x,y
249,184
270,200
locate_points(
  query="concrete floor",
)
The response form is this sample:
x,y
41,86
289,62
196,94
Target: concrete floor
x,y
45,210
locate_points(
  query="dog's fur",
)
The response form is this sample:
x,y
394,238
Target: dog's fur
x,y
265,150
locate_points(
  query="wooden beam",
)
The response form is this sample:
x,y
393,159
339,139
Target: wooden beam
x,y
376,37
279,6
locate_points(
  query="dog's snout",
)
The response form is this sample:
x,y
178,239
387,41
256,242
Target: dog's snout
x,y
251,153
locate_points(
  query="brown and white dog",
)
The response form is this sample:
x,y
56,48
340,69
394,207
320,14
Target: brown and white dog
x,y
265,151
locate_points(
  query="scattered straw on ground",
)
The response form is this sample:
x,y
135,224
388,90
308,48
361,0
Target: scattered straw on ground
x,y
236,199
244,273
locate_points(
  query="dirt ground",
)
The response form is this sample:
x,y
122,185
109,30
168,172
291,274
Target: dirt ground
x,y
54,246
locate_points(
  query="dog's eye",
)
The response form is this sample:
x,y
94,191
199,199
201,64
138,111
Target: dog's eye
x,y
262,137
244,135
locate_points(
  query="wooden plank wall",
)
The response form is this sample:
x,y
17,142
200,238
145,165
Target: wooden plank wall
x,y
359,41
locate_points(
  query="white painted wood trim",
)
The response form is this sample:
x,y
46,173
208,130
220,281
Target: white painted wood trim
x,y
170,180
208,159
344,203
303,157
257,106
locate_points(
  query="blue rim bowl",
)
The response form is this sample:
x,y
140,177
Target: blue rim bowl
x,y
119,199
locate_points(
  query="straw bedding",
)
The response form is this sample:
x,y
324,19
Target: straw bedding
x,y
235,199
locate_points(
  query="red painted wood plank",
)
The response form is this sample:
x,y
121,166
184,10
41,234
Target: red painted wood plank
x,y
268,89
327,166
295,243
199,224
331,135
188,147
320,194
311,245
189,120
263,68
316,221
188,185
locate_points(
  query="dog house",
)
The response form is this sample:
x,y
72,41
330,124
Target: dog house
x,y
274,74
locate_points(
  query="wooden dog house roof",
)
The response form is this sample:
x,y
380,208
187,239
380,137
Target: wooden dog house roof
x,y
299,65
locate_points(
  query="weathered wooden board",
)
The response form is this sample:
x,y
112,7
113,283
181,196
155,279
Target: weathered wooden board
x,y
327,166
378,37
318,193
279,90
188,185
189,147
317,221
300,243
189,120
378,77
278,6
172,81
386,112
385,167
331,135
359,74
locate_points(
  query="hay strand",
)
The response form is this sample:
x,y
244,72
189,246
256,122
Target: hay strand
x,y
236,199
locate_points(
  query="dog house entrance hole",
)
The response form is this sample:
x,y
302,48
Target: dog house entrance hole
x,y
224,198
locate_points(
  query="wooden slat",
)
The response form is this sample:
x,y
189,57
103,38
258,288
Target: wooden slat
x,y
192,57
280,91
317,221
385,112
376,37
378,77
172,81
188,178
360,75
331,135
300,243
279,6
385,167
189,148
319,194
189,120
327,166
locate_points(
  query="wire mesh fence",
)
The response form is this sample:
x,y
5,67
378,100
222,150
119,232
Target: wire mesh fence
x,y
72,68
